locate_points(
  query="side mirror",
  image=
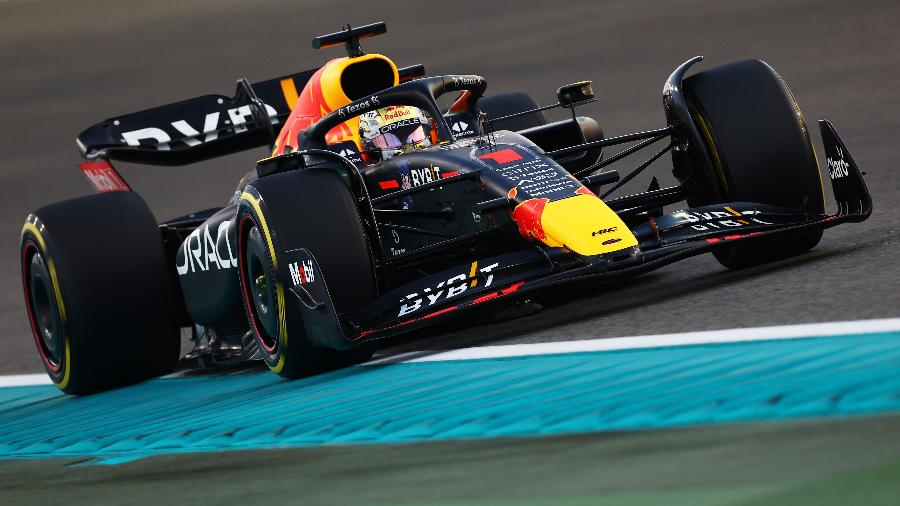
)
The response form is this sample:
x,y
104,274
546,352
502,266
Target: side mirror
x,y
573,94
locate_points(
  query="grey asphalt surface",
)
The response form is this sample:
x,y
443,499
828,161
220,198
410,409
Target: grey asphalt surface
x,y
67,65
833,462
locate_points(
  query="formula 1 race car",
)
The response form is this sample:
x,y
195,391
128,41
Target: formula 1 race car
x,y
327,247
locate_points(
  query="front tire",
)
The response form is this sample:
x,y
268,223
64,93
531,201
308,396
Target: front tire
x,y
758,142
311,209
99,293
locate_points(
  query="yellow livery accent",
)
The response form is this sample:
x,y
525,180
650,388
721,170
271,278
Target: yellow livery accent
x,y
333,90
289,90
65,381
717,162
585,225
325,91
282,321
250,199
57,294
280,365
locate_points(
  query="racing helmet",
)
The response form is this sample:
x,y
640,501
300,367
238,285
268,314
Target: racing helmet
x,y
389,131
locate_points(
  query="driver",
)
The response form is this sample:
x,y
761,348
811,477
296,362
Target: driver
x,y
393,130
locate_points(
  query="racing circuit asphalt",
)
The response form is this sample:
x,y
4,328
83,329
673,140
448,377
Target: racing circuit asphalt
x,y
68,65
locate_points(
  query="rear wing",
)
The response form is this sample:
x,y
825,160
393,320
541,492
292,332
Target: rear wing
x,y
210,126
205,127
198,128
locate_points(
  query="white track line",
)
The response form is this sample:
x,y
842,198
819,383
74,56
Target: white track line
x,y
608,344
24,380
655,341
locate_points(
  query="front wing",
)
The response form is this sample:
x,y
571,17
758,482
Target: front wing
x,y
662,241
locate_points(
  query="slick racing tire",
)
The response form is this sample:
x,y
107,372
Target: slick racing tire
x,y
504,104
311,209
758,142
99,293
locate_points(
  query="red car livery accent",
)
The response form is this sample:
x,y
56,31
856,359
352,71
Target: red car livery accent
x,y
502,157
103,177
528,216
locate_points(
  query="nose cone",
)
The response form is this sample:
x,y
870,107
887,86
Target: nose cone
x,y
581,223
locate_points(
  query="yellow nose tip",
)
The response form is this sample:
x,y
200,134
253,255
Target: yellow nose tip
x,y
581,223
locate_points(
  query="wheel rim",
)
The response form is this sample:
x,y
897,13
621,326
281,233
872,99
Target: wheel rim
x,y
260,290
42,308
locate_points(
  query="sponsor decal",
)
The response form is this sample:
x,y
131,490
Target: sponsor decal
x,y
348,110
462,129
611,241
704,221
538,178
405,175
188,134
603,231
404,172
398,124
302,272
410,178
445,290
837,168
513,288
534,175
397,112
424,175
200,252
348,150
465,81
462,143
103,177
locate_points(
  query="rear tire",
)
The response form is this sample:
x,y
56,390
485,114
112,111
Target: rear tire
x,y
759,144
99,292
311,209
504,104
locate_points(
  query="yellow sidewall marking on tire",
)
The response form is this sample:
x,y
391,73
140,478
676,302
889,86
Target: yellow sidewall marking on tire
x,y
65,381
728,254
717,162
280,365
279,288
57,294
249,198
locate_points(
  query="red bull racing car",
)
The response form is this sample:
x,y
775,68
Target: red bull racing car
x,y
379,211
